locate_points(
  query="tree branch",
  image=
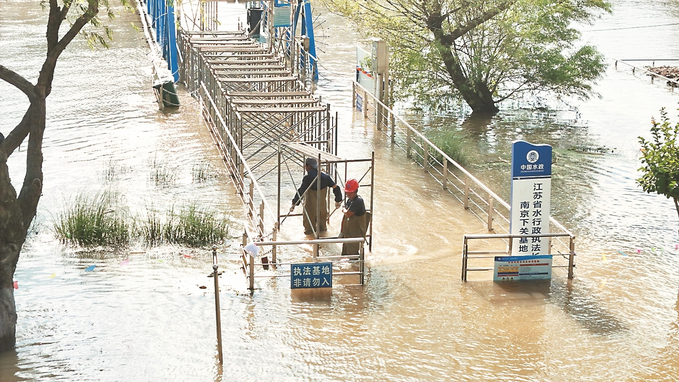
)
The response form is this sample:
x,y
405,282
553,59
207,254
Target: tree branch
x,y
18,81
473,23
57,16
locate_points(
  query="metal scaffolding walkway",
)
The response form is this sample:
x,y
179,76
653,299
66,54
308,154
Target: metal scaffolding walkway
x,y
266,122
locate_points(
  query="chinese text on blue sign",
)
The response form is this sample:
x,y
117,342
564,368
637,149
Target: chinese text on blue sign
x,y
530,197
311,275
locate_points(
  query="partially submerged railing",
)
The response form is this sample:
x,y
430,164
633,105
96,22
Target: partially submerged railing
x,y
672,82
238,167
250,261
487,255
475,196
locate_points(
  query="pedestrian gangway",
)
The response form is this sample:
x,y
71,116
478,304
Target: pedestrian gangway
x,y
266,121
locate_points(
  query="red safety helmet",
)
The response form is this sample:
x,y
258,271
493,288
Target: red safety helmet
x,y
351,185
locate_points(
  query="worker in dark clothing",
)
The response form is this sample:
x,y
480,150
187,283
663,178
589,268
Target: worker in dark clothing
x,y
355,220
312,193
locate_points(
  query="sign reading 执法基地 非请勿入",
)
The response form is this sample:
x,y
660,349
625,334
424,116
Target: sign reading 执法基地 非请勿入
x,y
311,275
530,198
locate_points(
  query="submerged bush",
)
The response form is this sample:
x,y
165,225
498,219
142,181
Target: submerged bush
x,y
450,142
94,221
190,226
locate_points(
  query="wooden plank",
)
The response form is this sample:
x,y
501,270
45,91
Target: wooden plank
x,y
239,73
214,33
268,94
257,79
213,39
234,61
291,101
231,49
312,109
238,57
224,69
231,45
313,152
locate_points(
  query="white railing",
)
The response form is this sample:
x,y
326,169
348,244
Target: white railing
x,y
465,187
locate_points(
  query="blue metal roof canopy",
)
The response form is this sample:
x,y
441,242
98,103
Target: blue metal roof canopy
x,y
164,24
307,26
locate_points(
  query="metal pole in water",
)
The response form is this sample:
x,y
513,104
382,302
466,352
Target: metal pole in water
x,y
215,275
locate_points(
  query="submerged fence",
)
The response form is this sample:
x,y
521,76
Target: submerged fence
x,y
475,196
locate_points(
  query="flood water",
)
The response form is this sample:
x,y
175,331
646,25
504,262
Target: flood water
x,y
141,315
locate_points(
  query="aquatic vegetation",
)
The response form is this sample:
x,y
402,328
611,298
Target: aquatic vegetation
x,y
195,227
202,172
100,221
162,174
94,220
452,143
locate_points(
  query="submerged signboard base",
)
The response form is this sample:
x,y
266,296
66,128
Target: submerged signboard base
x,y
521,268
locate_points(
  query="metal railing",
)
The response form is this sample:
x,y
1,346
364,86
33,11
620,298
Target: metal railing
x,y
218,315
489,254
475,196
249,262
226,141
673,82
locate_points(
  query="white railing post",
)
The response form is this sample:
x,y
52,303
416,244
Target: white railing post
x,y
408,144
444,179
491,208
466,192
425,156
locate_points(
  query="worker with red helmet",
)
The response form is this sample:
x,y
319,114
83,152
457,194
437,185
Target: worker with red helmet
x,y
354,222
311,194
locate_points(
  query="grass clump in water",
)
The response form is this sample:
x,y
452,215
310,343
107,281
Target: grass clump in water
x,y
191,226
94,221
452,143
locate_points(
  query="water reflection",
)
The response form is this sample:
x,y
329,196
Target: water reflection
x,y
142,315
579,302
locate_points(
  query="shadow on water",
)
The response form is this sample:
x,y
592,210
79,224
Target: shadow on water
x,y
578,302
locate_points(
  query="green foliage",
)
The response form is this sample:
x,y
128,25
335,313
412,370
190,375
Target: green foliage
x,y
450,142
94,221
660,159
191,226
492,50
99,221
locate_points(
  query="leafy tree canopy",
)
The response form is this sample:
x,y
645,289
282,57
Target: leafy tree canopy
x,y
660,159
484,51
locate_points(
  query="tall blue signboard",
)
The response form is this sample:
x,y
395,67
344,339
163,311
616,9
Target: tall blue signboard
x,y
530,200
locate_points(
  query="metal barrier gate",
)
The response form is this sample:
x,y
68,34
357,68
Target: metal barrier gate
x,y
249,259
568,253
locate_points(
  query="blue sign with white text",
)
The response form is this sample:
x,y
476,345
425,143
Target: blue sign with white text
x,y
530,161
311,275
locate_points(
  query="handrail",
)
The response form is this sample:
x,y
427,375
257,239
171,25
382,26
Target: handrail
x,y
238,153
647,71
466,253
448,158
249,261
438,150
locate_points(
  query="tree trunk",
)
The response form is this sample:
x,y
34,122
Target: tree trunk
x,y
474,91
12,236
17,212
8,314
